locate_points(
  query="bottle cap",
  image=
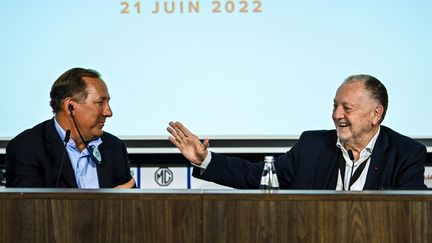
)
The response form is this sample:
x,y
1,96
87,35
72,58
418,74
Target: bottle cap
x,y
268,159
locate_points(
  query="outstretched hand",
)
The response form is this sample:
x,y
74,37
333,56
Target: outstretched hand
x,y
188,143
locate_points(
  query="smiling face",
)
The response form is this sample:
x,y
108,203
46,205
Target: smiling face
x,y
91,112
356,115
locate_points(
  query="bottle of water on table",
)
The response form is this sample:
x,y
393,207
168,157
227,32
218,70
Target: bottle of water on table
x,y
269,180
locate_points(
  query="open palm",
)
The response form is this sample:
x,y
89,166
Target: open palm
x,y
188,143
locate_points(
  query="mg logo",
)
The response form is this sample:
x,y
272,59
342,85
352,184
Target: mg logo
x,y
163,176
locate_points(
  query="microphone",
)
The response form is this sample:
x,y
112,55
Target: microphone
x,y
66,140
351,156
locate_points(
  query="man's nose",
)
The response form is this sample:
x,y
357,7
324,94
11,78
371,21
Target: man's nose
x,y
338,112
107,112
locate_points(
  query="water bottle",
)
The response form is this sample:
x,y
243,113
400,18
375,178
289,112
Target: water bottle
x,y
269,180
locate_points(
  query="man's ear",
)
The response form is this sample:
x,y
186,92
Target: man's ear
x,y
68,106
378,112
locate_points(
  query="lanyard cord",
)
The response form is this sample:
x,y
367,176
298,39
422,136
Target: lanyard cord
x,y
357,172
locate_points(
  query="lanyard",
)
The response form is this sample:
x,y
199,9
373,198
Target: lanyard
x,y
357,172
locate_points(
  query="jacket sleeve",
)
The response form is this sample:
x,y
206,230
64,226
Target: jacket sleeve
x,y
411,173
125,167
22,166
242,174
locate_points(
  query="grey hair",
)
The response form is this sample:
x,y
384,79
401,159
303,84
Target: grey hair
x,y
375,88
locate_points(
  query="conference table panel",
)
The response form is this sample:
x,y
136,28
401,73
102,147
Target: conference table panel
x,y
100,216
313,216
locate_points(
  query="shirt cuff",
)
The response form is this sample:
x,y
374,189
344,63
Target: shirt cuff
x,y
205,163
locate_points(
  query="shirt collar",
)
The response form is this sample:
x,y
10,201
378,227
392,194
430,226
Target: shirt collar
x,y
71,143
369,147
60,131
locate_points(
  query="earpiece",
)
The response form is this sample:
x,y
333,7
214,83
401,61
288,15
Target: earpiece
x,y
71,110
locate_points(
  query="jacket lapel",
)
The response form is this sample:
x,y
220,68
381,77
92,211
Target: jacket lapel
x,y
328,164
377,163
55,149
104,168
328,170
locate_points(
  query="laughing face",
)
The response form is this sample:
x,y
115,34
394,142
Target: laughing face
x,y
356,115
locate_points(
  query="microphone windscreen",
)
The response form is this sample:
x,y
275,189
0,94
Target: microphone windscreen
x,y
67,136
351,155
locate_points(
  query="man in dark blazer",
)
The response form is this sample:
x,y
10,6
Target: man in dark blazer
x,y
91,158
378,157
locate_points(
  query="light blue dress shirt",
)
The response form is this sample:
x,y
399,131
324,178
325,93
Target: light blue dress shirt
x,y
84,167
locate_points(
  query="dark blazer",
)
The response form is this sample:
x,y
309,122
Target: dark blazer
x,y
397,162
33,160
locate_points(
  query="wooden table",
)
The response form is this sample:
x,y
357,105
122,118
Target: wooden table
x,y
109,215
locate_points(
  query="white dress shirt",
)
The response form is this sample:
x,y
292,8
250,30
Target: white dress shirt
x,y
365,157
